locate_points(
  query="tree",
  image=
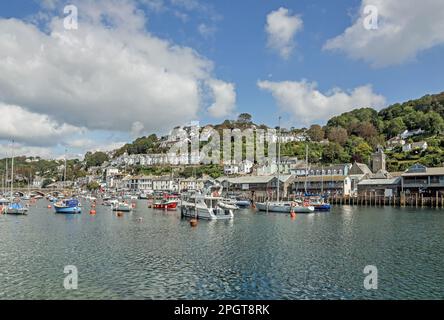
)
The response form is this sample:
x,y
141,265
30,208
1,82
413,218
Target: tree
x,y
366,130
334,153
95,159
93,186
395,127
46,183
316,133
338,135
244,118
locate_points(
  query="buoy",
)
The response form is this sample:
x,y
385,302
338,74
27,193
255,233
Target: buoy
x,y
134,205
119,214
92,212
293,215
49,206
193,222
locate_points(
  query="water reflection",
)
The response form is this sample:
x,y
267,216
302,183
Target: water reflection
x,y
153,254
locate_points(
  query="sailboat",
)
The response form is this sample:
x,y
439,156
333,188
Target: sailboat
x,y
282,206
67,206
15,206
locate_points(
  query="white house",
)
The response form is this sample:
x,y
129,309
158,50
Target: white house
x,y
419,146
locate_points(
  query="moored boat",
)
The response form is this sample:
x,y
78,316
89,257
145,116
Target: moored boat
x,y
121,207
16,208
284,207
205,207
68,206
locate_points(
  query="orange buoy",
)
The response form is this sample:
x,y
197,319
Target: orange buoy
x,y
193,222
119,214
49,206
92,212
134,205
293,215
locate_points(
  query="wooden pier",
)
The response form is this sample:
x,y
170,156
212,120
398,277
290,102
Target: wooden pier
x,y
402,200
374,200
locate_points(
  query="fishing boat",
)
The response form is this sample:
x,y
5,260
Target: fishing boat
x,y
206,207
121,207
165,204
68,206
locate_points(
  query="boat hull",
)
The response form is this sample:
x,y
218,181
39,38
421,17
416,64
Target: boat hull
x,y
205,214
165,206
67,210
270,207
17,212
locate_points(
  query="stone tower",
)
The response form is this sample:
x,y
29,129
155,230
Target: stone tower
x,y
378,160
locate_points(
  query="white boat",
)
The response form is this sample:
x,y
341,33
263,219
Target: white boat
x,y
228,203
121,207
284,207
206,207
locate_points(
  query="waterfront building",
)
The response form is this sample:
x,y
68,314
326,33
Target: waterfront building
x,y
387,187
357,173
420,179
319,184
263,186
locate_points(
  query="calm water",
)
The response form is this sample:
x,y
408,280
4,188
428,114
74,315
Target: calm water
x,y
255,256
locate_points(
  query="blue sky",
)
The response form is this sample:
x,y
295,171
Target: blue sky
x,y
326,72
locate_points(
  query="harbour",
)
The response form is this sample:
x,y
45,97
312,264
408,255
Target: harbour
x,y
155,254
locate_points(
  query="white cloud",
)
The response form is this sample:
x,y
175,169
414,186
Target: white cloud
x,y
308,105
86,144
102,76
23,126
205,30
224,98
22,150
405,28
281,29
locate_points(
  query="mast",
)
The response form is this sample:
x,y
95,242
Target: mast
x,y
64,174
279,161
306,167
322,180
6,176
12,172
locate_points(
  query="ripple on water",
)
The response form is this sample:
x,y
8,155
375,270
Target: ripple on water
x,y
255,256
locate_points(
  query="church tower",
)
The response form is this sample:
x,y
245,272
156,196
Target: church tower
x,y
378,160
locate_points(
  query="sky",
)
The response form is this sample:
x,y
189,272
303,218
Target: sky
x,y
92,75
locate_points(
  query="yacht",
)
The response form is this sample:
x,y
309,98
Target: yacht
x,y
121,207
206,207
284,207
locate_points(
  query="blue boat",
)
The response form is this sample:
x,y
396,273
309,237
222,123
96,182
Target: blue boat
x,y
70,206
16,208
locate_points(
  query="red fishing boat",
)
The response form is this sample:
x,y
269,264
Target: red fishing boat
x,y
168,202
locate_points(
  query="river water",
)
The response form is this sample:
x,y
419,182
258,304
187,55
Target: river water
x,y
255,256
